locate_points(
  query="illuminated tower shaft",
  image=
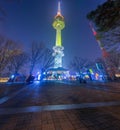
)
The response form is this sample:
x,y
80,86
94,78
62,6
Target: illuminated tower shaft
x,y
58,24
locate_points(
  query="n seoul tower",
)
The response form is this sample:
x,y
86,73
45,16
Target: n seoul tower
x,y
58,25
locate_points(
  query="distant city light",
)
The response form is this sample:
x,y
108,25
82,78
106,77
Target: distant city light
x,y
91,71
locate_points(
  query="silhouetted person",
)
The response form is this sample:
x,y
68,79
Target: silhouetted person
x,y
30,79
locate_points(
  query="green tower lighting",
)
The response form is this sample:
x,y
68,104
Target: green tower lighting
x,y
58,24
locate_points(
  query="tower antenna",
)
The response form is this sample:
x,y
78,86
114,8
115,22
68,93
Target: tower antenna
x,y
59,8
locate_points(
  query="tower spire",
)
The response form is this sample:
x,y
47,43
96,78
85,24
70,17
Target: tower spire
x,y
59,8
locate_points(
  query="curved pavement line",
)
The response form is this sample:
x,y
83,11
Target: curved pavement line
x,y
5,111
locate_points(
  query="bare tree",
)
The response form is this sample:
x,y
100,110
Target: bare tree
x,y
78,64
36,53
113,63
18,61
47,59
8,49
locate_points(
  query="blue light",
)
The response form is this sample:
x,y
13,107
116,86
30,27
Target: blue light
x,y
12,76
39,77
100,76
37,82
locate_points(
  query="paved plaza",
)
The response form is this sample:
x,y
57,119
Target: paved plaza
x,y
60,106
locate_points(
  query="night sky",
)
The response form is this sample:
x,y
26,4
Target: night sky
x,y
31,20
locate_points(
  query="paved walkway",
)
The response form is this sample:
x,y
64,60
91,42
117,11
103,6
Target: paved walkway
x,y
8,88
80,119
55,106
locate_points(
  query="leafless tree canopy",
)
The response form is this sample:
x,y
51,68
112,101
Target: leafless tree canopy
x,y
78,64
8,50
47,60
36,53
18,61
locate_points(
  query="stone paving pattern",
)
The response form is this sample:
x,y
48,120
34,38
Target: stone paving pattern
x,y
99,118
82,119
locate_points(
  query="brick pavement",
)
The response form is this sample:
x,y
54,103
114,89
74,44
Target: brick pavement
x,y
83,119
98,118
